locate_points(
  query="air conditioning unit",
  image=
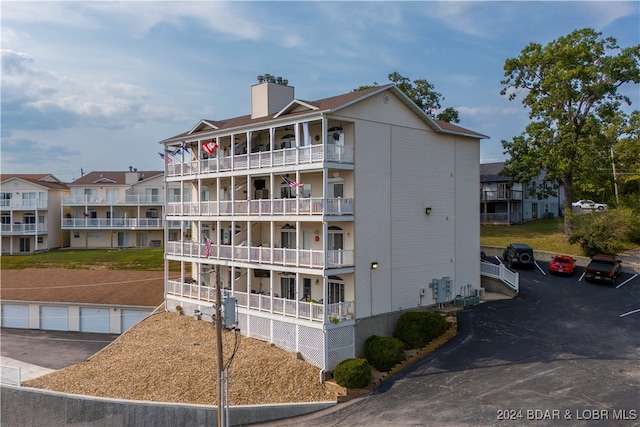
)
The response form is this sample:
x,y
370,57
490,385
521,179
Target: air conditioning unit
x,y
480,293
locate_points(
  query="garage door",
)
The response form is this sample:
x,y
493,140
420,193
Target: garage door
x,y
94,320
54,318
131,317
15,316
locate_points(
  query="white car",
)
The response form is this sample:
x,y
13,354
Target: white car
x,y
588,204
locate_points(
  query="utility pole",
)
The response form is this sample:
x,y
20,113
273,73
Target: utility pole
x,y
219,348
615,178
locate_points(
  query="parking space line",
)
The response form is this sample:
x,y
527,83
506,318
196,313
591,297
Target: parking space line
x,y
540,268
627,281
630,312
580,279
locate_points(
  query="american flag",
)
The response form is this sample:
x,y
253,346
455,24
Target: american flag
x,y
292,183
210,147
207,247
162,156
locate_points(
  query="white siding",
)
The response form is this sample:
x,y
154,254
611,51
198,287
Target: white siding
x,y
422,176
467,225
373,212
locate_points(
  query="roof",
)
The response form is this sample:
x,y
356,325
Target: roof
x,y
491,172
113,178
42,179
326,105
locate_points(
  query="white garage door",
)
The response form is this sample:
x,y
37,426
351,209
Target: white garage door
x,y
15,316
54,318
94,320
131,317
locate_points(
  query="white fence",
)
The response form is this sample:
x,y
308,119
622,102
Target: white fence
x,y
499,271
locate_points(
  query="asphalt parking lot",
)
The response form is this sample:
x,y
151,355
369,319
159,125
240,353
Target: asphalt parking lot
x,y
564,352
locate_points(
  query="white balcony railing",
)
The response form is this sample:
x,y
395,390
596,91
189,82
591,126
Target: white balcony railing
x,y
265,255
24,203
264,159
129,199
122,223
297,206
24,228
266,303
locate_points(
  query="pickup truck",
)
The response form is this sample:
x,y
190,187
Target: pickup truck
x,y
602,268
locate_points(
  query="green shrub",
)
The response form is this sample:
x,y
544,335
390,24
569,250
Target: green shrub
x,y
353,373
383,353
418,328
605,232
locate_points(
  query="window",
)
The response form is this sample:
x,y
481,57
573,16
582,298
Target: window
x,y
6,218
40,239
287,192
306,288
534,210
152,194
29,199
5,199
113,195
288,287
174,195
76,235
91,195
152,213
288,236
336,290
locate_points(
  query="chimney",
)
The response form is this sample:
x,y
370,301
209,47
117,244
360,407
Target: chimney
x,y
270,95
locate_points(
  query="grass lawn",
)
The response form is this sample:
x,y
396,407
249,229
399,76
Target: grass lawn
x,y
544,235
112,259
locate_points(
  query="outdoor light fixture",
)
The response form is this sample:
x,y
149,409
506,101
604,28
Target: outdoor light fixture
x,y
374,265
427,211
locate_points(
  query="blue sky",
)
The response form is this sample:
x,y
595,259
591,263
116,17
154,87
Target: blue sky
x,y
96,85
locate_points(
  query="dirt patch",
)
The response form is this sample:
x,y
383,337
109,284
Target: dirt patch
x,y
94,286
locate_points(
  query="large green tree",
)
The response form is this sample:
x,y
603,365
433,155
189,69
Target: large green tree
x,y
424,95
571,88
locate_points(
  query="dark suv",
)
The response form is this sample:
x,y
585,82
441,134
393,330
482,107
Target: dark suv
x,y
518,254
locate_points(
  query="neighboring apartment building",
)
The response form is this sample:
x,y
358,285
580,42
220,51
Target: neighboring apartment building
x,y
506,202
116,210
326,219
30,212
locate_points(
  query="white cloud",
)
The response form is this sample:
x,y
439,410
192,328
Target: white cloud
x,y
139,17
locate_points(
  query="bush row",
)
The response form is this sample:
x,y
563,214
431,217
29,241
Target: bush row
x,y
413,330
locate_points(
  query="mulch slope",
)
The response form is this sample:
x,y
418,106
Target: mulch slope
x,y
118,287
172,358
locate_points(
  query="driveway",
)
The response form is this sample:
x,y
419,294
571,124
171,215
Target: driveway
x,y
51,349
564,352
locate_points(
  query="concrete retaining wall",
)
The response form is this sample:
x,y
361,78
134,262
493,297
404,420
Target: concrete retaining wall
x,y
23,406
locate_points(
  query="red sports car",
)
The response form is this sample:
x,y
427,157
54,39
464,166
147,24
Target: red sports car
x,y
562,264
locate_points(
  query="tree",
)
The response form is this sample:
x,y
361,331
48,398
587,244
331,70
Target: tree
x,y
424,95
570,87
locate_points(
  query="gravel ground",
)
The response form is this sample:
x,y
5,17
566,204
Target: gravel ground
x,y
172,358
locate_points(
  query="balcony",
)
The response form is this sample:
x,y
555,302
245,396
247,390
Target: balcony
x,y
265,255
259,207
314,312
132,199
23,204
112,223
264,159
500,195
23,229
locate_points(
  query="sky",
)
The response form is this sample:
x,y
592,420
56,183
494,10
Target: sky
x,y
96,85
